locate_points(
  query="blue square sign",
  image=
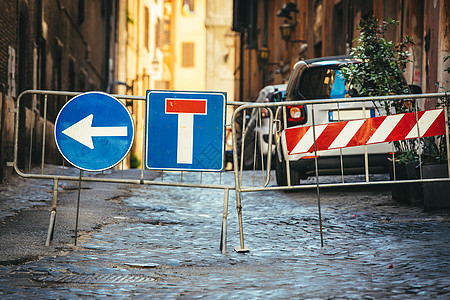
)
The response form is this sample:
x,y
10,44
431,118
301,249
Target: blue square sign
x,y
185,130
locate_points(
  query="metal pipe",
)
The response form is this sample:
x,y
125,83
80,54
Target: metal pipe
x,y
269,149
44,134
447,142
51,225
63,161
237,181
340,149
241,248
244,115
338,100
31,140
393,150
288,168
340,184
317,175
247,105
418,139
223,236
255,145
78,206
366,154
143,153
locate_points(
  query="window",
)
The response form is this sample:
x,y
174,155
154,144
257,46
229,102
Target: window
x,y
146,28
166,32
317,28
72,74
188,55
339,31
187,7
11,71
240,15
80,12
252,42
57,75
322,83
367,8
161,84
158,33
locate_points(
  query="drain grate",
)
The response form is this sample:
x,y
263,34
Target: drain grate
x,y
96,278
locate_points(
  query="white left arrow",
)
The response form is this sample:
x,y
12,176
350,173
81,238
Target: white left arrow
x,y
82,131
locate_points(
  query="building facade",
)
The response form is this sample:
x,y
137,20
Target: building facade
x,y
59,45
171,44
329,27
118,46
220,49
139,61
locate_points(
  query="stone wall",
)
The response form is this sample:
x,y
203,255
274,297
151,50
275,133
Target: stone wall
x,y
30,138
6,134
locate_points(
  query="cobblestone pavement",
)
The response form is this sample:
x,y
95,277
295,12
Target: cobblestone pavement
x,y
166,245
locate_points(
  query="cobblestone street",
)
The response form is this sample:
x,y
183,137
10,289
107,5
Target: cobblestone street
x,y
165,244
238,149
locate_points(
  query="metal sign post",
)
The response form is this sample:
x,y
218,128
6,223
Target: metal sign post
x,y
94,132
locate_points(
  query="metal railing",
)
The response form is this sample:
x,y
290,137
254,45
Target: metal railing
x,y
238,153
141,179
280,123
247,116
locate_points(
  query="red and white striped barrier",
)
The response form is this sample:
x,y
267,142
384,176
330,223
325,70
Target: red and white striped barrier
x,y
365,131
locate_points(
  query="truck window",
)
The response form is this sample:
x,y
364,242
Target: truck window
x,y
322,83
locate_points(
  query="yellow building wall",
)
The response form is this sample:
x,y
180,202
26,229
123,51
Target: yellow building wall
x,y
220,53
164,61
188,27
139,58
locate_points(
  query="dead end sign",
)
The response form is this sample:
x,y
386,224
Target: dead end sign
x,y
185,130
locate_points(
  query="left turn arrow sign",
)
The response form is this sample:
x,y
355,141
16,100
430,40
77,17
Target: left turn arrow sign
x,y
82,131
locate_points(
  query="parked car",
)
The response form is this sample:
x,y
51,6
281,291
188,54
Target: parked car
x,y
257,123
321,79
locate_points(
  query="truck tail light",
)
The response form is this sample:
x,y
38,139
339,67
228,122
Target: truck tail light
x,y
309,157
264,112
296,115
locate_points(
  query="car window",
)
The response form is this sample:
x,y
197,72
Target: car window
x,y
322,83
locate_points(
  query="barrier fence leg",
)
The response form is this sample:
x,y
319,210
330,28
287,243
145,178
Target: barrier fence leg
x,y
51,225
223,236
447,140
317,175
240,248
78,207
238,178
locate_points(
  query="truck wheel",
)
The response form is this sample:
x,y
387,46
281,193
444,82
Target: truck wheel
x,y
281,176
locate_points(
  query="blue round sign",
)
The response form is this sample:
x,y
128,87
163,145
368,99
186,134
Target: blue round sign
x,y
94,131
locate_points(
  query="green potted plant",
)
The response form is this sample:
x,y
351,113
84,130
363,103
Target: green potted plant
x,y
380,73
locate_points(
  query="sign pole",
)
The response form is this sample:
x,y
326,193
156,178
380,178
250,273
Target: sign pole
x,y
88,137
78,206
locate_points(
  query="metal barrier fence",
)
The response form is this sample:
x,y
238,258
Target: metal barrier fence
x,y
255,108
276,116
59,176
